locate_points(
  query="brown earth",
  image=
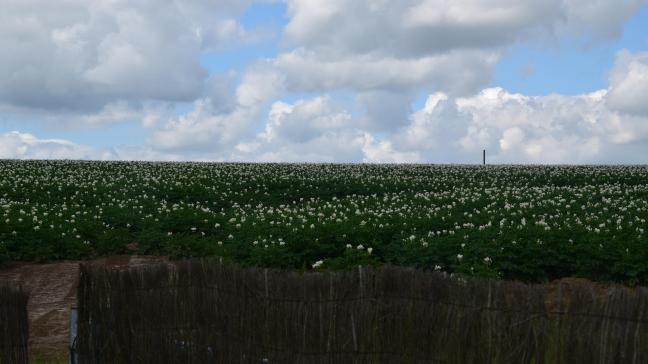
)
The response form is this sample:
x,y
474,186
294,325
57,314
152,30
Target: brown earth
x,y
52,289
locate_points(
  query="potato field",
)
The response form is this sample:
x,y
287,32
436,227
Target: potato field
x,y
532,223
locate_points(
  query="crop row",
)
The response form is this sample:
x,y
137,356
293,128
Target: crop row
x,y
534,223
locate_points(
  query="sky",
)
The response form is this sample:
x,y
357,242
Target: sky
x,y
366,81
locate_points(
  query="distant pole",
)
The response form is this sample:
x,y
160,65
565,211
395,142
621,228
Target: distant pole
x,y
484,156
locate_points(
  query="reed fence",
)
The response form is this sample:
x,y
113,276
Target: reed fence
x,y
202,311
14,325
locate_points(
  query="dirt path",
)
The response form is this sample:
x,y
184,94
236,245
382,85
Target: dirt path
x,y
52,290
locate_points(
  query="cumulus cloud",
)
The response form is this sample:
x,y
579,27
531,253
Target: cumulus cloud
x,y
449,46
548,129
378,47
19,145
413,28
383,152
212,126
80,55
629,83
317,130
601,19
340,146
384,110
16,145
304,120
147,114
313,130
609,125
512,127
435,131
457,72
106,61
517,128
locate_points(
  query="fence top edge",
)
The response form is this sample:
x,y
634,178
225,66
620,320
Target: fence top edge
x,y
572,284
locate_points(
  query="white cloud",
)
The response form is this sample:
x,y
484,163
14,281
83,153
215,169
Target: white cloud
x,y
516,128
340,146
316,130
398,48
413,28
440,45
435,129
304,120
92,63
511,138
384,152
19,145
210,126
120,111
16,145
629,83
513,128
384,110
459,71
600,18
259,84
147,114
313,130
82,55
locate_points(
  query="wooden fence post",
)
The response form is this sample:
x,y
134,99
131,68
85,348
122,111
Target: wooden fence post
x,y
73,335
